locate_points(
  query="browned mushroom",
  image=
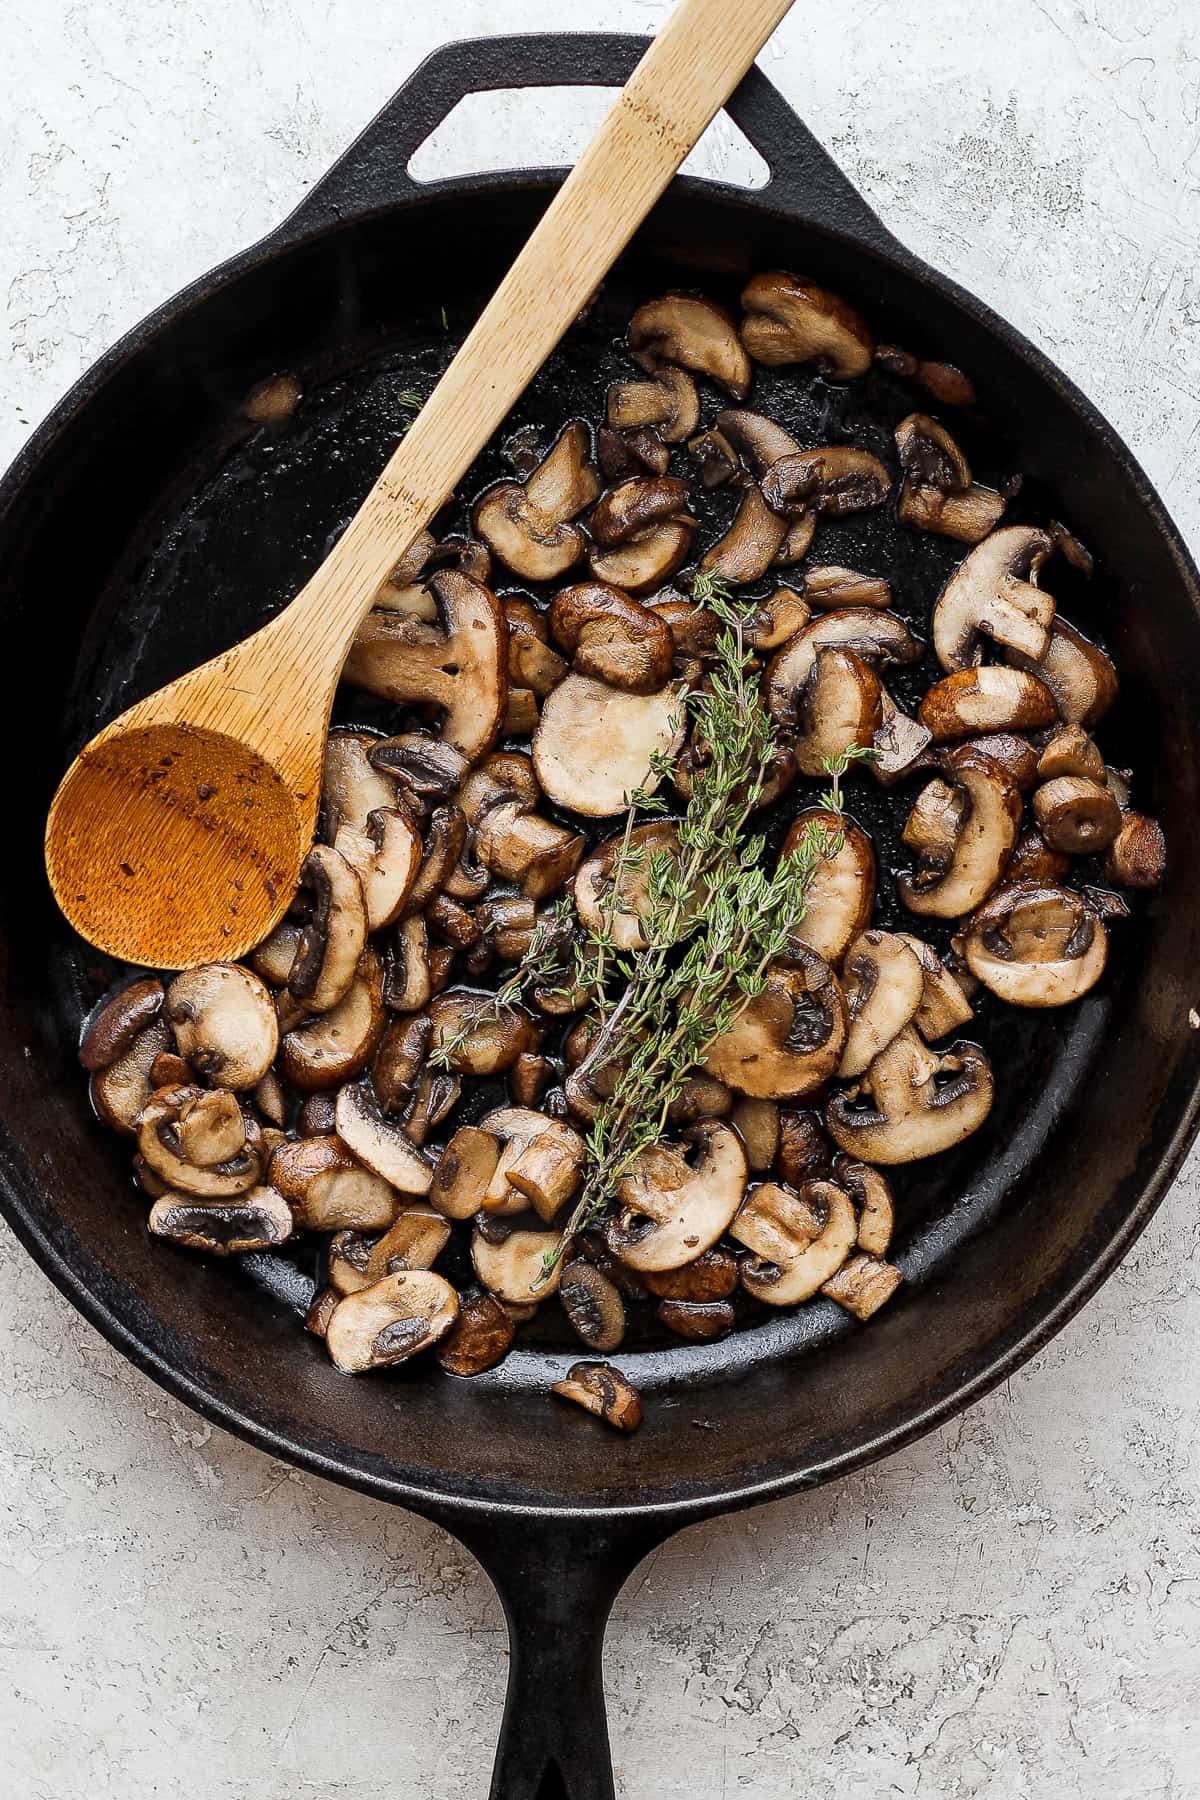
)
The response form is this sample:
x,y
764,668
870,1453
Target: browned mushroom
x,y
694,333
464,1172
830,586
838,709
477,1037
391,1320
670,403
990,698
876,638
480,1337
1137,856
797,1240
1016,755
963,829
938,493
790,320
642,531
337,1045
1035,945
540,1163
593,1305
184,1136
676,1202
993,594
842,891
335,934
224,1024
835,480
884,983
1070,751
789,1039
862,1285
750,545
527,526
385,854
1075,815
1034,860
114,1025
612,638
604,1391
1077,672
257,1220
920,1102
595,745
616,903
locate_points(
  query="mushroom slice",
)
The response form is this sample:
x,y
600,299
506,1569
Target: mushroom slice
x,y
353,787
832,587
676,1202
113,1026
759,440
715,457
335,935
595,746
1034,860
527,526
1077,672
798,1240
642,531
481,1337
994,594
272,959
1015,755
532,663
612,638
477,1036
1137,856
964,832
224,1023
540,1165
346,1260
1035,945
593,1304
751,544
329,1190
838,710
408,979
1075,815
337,1045
863,1285
922,1102
514,1269
789,1039
120,1091
378,1144
777,620
872,1196
901,745
390,1321
944,1007
604,1391
161,1141
758,1123
699,1321
876,638
259,1220
804,1150
790,320
428,771
669,402
616,905
883,983
464,1172
416,1240
988,698
211,1129
937,493
1070,751
385,854
842,891
692,333
459,665
712,1276
835,480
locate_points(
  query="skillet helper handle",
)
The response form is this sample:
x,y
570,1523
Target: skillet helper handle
x,y
557,1581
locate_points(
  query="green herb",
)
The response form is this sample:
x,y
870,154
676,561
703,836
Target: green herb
x,y
445,320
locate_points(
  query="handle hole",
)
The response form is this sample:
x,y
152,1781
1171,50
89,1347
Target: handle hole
x,y
538,128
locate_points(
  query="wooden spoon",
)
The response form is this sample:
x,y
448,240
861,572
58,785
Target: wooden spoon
x,y
177,835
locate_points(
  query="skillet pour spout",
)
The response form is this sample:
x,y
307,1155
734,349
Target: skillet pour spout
x,y
1029,1218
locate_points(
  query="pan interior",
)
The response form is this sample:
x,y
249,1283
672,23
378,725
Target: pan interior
x,y
191,527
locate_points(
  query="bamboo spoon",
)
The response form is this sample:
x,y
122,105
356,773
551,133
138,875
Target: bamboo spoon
x,y
177,835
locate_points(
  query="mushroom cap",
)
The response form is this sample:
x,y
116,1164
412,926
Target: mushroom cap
x,y
224,1023
839,709
1137,856
834,479
799,1239
922,1102
673,1209
620,906
612,638
876,638
258,1220
789,1039
943,1006
604,1391
593,1305
990,698
791,320
1075,815
461,666
993,594
632,508
479,1338
694,333
988,822
390,1321
479,1038
1036,945
113,1026
645,562
526,524
385,854
883,982
760,440
594,744
832,587
842,891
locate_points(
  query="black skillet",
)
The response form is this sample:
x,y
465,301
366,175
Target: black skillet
x,y
115,578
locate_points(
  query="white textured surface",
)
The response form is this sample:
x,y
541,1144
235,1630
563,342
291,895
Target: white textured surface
x,y
1009,1609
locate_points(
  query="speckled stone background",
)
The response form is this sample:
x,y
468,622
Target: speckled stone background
x,y
1011,1608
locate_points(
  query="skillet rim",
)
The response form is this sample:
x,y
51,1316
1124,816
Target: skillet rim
x,y
435,1502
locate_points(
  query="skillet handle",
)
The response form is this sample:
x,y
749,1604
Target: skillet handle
x,y
557,1580
373,173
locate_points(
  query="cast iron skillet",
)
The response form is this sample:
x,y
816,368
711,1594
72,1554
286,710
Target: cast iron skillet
x,y
1102,1106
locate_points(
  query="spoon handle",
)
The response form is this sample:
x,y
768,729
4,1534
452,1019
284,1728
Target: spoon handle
x,y
691,68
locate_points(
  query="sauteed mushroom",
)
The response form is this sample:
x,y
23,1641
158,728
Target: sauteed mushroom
x,y
884,984
963,829
993,594
602,1390
1035,945
527,526
920,1102
790,1039
670,403
938,493
1137,856
224,1024
113,1027
329,1190
189,1148
693,333
842,891
618,906
337,1045
677,1201
594,744
1077,672
794,321
612,638
390,1321
798,1240
990,698
1075,815
480,1337
335,935
751,544
259,1220
515,1268
642,531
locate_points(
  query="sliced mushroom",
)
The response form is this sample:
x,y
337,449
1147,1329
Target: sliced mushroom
x,y
346,1260
405,589
842,891
459,665
964,831
938,493
1070,751
272,959
1016,755
876,638
385,854
642,531
863,1285
921,1102
616,906
515,1268
1035,945
804,1150
1034,860
789,1039
540,1164
790,320
329,1190
258,1220
760,441
161,1142
408,981
777,620
670,403
835,480
1077,672
337,1045
750,545
604,1391
797,1240
464,1172
317,1318
416,1240
699,1097
437,1094
428,771
377,1143
612,638
993,594
595,745
989,698
316,1115
872,1196
169,1070
901,745
1137,856
832,587
677,1201
519,845
943,1007
1075,815
527,526
211,1129
838,709
757,1121
883,982
593,1305
712,1276
531,662
480,1337
113,1026
693,333
390,1321
224,1024
335,933
477,1036
715,457
947,384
